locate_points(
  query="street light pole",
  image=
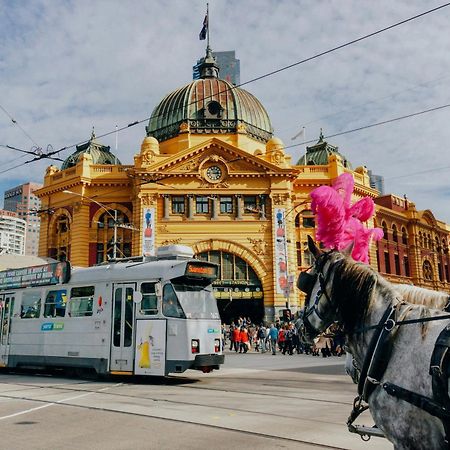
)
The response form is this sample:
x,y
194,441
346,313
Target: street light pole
x,y
114,217
115,235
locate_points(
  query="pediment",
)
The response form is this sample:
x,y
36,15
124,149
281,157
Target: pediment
x,y
428,217
215,151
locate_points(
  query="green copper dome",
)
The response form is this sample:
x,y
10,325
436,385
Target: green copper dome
x,y
209,105
100,154
317,154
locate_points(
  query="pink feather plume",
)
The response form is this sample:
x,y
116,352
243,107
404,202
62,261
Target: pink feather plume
x,y
339,223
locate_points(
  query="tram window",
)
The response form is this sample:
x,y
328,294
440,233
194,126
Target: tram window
x,y
30,307
197,299
149,303
55,303
81,301
171,306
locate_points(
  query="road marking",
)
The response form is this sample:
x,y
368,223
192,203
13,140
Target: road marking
x,y
26,411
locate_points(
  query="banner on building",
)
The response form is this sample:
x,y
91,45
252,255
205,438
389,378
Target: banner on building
x,y
281,262
148,232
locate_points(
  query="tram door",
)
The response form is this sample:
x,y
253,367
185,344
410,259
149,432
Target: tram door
x,y
6,313
123,320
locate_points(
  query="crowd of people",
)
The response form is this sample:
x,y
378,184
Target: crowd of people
x,y
242,336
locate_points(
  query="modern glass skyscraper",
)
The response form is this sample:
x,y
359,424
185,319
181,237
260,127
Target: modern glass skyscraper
x,y
229,67
377,182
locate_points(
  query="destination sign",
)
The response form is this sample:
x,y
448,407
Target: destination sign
x,y
202,270
43,275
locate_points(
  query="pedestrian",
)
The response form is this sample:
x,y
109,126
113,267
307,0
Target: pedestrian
x,y
244,340
236,338
281,339
262,337
256,339
288,335
273,337
231,336
323,345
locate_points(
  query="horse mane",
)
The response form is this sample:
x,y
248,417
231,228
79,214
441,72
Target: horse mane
x,y
420,296
353,285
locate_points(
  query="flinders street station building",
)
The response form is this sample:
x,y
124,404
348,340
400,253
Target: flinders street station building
x,y
211,175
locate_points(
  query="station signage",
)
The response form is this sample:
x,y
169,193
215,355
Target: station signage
x,y
33,276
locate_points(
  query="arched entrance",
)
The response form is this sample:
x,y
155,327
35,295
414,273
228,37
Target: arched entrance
x,y
238,289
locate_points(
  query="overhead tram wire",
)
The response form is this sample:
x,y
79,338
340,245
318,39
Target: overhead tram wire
x,y
268,74
371,101
14,121
384,122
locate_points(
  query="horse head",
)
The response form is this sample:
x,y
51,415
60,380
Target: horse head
x,y
320,309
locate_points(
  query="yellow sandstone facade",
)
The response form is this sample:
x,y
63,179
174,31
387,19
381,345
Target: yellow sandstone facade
x,y
210,175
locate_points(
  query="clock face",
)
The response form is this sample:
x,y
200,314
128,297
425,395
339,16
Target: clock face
x,y
214,173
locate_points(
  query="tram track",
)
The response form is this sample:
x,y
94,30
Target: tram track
x,y
155,416
64,387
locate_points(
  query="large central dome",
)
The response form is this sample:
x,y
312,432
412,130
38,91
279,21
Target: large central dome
x,y
209,105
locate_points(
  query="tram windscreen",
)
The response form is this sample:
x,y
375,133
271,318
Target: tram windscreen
x,y
197,300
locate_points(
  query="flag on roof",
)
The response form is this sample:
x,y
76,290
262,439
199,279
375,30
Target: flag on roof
x,y
203,32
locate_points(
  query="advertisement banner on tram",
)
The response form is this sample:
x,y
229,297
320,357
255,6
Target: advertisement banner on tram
x,y
150,347
42,275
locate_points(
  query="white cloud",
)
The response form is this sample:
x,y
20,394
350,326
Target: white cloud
x,y
69,65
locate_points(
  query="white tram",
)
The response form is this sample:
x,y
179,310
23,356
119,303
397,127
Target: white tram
x,y
146,317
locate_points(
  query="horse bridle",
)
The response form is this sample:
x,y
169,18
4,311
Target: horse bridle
x,y
314,317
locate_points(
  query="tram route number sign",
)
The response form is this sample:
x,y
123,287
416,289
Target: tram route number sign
x,y
46,274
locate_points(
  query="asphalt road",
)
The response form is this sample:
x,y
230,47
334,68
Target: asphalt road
x,y
259,401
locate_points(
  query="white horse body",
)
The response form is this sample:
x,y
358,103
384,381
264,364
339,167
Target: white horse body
x,y
361,296
405,425
410,294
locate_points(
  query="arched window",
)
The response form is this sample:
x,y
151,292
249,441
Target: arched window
x,y
385,230
420,239
404,236
59,247
231,266
437,245
308,220
394,233
105,236
440,272
427,270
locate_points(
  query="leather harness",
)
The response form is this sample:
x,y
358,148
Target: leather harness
x,y
376,362
378,356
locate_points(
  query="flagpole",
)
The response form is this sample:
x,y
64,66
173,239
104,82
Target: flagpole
x,y
207,26
306,145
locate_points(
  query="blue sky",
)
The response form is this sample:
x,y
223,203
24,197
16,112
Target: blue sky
x,y
67,66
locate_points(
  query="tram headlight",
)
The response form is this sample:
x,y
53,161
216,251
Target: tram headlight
x,y
217,345
195,346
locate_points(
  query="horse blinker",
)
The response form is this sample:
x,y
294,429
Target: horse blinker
x,y
306,282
